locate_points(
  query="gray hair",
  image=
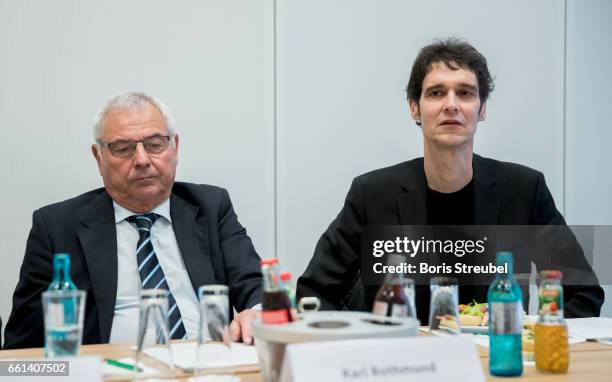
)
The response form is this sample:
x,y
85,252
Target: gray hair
x,y
129,100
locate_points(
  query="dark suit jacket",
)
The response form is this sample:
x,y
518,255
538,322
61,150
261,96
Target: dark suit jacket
x,y
504,194
213,244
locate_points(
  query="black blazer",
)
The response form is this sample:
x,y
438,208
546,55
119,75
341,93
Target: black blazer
x,y
504,194
213,244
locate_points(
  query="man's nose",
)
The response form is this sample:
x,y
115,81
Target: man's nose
x,y
141,157
451,104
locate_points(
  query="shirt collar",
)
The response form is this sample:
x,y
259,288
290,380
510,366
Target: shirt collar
x,y
162,209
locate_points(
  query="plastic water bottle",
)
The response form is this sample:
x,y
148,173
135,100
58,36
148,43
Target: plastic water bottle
x,y
505,321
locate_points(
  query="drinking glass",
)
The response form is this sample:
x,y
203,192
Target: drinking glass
x,y
408,285
444,307
153,349
214,351
63,312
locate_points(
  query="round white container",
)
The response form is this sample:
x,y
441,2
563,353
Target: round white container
x,y
270,340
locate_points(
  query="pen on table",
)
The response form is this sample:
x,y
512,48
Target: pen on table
x,y
122,365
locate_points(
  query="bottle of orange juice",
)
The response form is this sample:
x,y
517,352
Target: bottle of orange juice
x,y
551,344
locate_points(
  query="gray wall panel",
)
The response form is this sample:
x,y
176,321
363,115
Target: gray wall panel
x,y
342,111
589,130
211,61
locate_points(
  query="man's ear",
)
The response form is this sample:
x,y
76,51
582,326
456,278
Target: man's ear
x,y
483,112
96,153
176,142
415,112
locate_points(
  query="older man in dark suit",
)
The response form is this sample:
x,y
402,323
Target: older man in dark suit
x,y
142,230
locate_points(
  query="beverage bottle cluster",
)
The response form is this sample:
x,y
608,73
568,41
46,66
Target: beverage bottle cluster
x,y
277,304
551,342
505,321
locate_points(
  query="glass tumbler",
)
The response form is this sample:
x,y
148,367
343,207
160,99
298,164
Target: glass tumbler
x,y
63,312
444,306
408,285
214,353
153,349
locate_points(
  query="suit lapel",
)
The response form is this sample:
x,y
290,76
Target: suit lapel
x,y
486,197
98,237
191,233
412,205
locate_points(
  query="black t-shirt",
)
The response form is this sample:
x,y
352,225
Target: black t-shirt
x,y
455,208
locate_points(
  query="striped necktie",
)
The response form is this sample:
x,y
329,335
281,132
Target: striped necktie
x,y
151,273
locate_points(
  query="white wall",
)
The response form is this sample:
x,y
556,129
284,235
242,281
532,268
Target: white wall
x,y
211,61
588,162
284,102
342,110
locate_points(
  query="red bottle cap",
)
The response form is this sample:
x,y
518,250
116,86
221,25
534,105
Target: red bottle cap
x,y
285,276
271,261
552,274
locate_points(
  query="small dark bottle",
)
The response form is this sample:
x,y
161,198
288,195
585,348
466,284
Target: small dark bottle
x,y
276,306
391,299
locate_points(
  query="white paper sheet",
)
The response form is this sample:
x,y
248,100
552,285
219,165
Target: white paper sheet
x,y
184,355
590,328
483,340
214,378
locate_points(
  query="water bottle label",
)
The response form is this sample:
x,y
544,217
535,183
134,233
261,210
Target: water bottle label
x,y
56,315
382,308
505,317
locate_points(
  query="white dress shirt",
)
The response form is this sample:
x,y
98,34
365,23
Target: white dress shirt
x,y
125,320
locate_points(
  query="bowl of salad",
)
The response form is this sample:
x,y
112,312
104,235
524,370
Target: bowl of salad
x,y
474,317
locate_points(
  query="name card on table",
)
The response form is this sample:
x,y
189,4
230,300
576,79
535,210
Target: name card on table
x,y
389,359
